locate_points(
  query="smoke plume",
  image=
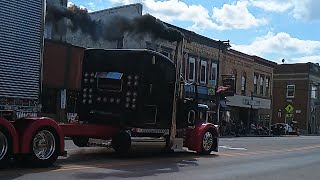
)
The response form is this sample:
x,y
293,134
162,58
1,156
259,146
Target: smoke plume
x,y
115,28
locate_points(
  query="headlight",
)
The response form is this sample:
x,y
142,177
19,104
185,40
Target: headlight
x,y
129,83
90,90
99,99
136,77
86,74
90,101
105,99
133,100
92,74
84,96
90,96
84,101
85,80
135,94
127,99
127,105
133,106
84,89
91,80
118,100
128,93
129,77
112,100
136,83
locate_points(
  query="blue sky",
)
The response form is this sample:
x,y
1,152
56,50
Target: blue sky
x,y
272,29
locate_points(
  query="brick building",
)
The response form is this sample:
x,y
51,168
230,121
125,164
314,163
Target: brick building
x,y
253,83
296,95
200,63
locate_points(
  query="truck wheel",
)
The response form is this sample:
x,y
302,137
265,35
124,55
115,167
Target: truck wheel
x,y
5,149
44,148
80,141
121,142
207,143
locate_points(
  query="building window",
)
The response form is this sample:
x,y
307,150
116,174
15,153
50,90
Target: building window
x,y
267,85
255,84
261,84
234,72
213,74
203,71
313,92
243,83
290,91
192,68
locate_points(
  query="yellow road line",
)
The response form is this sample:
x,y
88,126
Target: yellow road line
x,y
72,167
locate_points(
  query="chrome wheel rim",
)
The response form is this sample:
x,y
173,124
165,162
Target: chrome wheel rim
x,y
44,144
207,141
3,145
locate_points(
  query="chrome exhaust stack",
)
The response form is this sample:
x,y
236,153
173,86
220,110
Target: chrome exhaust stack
x,y
178,61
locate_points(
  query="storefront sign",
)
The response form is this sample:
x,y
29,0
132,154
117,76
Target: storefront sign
x,y
229,81
211,91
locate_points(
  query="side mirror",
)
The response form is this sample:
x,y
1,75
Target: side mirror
x,y
191,116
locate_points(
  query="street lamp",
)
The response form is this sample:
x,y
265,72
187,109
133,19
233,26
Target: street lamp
x,y
226,45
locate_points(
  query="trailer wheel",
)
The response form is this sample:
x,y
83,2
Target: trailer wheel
x,y
5,148
207,143
121,142
44,148
80,141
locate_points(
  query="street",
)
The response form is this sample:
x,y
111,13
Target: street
x,y
238,158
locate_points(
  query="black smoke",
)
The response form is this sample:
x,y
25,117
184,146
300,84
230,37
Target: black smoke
x,y
115,27
79,19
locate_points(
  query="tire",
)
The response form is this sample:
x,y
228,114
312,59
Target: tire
x,y
46,155
80,141
207,143
5,148
121,143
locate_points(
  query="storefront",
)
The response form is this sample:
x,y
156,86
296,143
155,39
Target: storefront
x,y
249,110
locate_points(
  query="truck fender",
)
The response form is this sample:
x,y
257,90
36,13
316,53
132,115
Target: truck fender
x,y
194,136
35,124
12,132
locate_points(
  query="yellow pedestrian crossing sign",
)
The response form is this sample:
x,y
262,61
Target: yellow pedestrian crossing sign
x,y
289,108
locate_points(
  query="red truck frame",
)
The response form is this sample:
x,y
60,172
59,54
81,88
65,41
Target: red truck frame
x,y
40,140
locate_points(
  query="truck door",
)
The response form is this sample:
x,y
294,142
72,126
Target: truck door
x,y
159,88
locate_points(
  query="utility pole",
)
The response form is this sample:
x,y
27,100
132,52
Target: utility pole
x,y
226,45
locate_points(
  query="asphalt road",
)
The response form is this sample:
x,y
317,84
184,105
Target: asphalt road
x,y
238,158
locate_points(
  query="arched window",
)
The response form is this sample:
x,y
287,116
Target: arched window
x,y
255,83
261,84
243,83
